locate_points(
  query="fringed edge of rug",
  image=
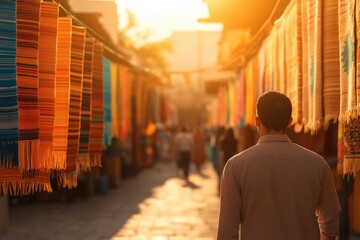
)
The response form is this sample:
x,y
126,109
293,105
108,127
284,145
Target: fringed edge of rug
x,y
28,150
68,179
329,118
46,156
350,114
351,165
96,160
298,127
59,161
7,152
313,127
21,188
83,162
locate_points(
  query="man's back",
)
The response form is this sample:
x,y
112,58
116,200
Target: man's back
x,y
274,189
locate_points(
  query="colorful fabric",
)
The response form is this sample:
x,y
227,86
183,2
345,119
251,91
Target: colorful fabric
x,y
9,128
16,182
114,99
76,82
97,108
124,114
49,12
293,56
279,58
269,81
351,138
107,134
331,66
261,69
27,77
83,162
348,103
62,92
312,40
251,89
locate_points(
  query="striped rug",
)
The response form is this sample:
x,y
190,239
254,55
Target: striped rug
x,y
293,56
331,66
49,12
27,77
15,182
69,175
107,134
83,162
97,108
9,128
312,57
62,92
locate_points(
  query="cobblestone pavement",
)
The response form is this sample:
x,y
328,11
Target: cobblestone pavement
x,y
154,205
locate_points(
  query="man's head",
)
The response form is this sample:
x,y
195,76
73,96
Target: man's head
x,y
274,111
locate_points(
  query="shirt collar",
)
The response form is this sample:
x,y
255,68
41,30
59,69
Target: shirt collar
x,y
274,138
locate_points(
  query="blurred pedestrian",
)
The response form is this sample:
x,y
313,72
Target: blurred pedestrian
x,y
199,155
228,145
184,146
277,190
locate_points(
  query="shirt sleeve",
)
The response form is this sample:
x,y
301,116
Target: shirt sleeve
x,y
230,205
329,207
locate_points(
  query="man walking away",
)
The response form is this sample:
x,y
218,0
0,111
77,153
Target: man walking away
x,y
184,145
277,190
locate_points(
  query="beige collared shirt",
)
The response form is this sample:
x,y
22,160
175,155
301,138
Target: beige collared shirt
x,y
277,190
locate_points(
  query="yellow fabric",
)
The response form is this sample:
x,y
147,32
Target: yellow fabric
x,y
251,91
114,99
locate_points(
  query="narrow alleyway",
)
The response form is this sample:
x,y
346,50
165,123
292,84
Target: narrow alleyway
x,y
154,205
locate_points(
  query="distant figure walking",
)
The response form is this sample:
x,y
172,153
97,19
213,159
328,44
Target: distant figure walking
x,y
184,146
199,155
229,145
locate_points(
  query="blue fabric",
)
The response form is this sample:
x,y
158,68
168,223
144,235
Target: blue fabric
x,y
9,129
107,134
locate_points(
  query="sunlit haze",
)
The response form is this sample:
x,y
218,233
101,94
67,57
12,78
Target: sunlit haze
x,y
162,17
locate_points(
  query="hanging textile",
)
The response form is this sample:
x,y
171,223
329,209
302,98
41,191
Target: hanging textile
x,y
241,92
107,135
222,106
125,104
15,182
354,207
312,53
68,177
114,99
83,162
251,79
9,128
62,92
49,12
331,66
269,63
279,55
97,108
261,69
231,104
293,56
348,103
27,77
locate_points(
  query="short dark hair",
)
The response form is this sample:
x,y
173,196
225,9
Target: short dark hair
x,y
274,110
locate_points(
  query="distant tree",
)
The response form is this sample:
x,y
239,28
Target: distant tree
x,y
136,39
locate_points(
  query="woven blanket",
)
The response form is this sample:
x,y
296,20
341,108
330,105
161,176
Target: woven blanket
x,y
293,56
107,134
97,108
269,81
69,175
27,77
125,104
49,12
351,139
251,89
62,92
83,162
16,182
114,99
348,103
312,42
9,129
331,66
279,58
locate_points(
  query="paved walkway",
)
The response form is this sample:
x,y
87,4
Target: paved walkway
x,y
154,205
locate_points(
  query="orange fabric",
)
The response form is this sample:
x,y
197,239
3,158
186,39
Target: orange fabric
x,y
27,73
251,79
49,12
62,92
114,99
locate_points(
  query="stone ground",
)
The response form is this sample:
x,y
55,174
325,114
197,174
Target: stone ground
x,y
156,204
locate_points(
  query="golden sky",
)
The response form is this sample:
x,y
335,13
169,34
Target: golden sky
x,y
162,17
